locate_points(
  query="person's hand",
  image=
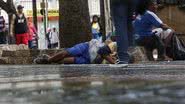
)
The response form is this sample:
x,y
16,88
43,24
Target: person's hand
x,y
165,27
11,34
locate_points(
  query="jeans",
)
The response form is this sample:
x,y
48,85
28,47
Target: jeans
x,y
2,38
54,45
122,17
96,35
30,44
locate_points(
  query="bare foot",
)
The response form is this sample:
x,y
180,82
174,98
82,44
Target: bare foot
x,y
168,58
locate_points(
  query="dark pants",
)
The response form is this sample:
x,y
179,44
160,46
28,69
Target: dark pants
x,y
122,13
30,44
150,43
54,45
2,38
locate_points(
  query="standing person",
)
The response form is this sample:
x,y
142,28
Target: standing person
x,y
122,12
19,27
32,42
2,29
96,27
54,38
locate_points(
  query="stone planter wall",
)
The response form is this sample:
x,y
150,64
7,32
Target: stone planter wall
x,y
13,54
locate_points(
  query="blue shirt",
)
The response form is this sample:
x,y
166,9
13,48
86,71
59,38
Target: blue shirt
x,y
144,24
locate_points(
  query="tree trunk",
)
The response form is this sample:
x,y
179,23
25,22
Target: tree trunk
x,y
74,22
34,6
9,7
102,18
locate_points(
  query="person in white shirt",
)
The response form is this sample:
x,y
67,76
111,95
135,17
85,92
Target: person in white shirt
x,y
54,38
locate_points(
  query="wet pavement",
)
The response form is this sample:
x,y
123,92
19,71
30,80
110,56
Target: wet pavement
x,y
146,83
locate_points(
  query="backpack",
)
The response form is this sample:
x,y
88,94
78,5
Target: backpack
x,y
178,48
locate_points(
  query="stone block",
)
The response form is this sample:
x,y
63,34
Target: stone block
x,y
20,60
51,51
22,53
18,53
14,47
4,60
29,60
35,53
8,53
138,54
14,60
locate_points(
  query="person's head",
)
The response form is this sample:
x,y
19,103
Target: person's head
x,y
54,29
29,19
153,6
96,18
20,9
145,5
48,30
110,47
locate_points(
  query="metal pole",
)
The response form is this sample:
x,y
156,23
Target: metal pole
x,y
34,5
46,13
44,18
102,18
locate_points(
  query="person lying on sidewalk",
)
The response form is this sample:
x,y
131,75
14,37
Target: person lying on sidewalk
x,y
146,36
92,52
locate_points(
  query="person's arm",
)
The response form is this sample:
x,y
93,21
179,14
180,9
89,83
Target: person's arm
x,y
50,35
12,25
58,36
157,22
34,29
165,27
109,59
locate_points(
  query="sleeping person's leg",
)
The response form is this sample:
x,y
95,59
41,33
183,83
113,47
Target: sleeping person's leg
x,y
46,59
69,60
58,57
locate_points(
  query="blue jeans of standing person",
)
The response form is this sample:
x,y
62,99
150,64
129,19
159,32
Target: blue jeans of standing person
x,y
2,38
95,35
122,17
30,44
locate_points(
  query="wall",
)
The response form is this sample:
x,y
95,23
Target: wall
x,y
174,17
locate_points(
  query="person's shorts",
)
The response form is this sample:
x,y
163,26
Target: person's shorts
x,y
80,52
162,33
22,38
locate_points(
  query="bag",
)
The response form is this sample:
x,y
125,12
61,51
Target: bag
x,y
178,48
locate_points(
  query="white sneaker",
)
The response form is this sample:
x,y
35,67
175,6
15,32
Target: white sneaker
x,y
119,65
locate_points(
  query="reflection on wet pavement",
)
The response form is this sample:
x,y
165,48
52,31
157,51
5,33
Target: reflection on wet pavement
x,y
136,84
93,92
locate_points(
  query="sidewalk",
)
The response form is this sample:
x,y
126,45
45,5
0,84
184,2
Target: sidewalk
x,y
151,71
